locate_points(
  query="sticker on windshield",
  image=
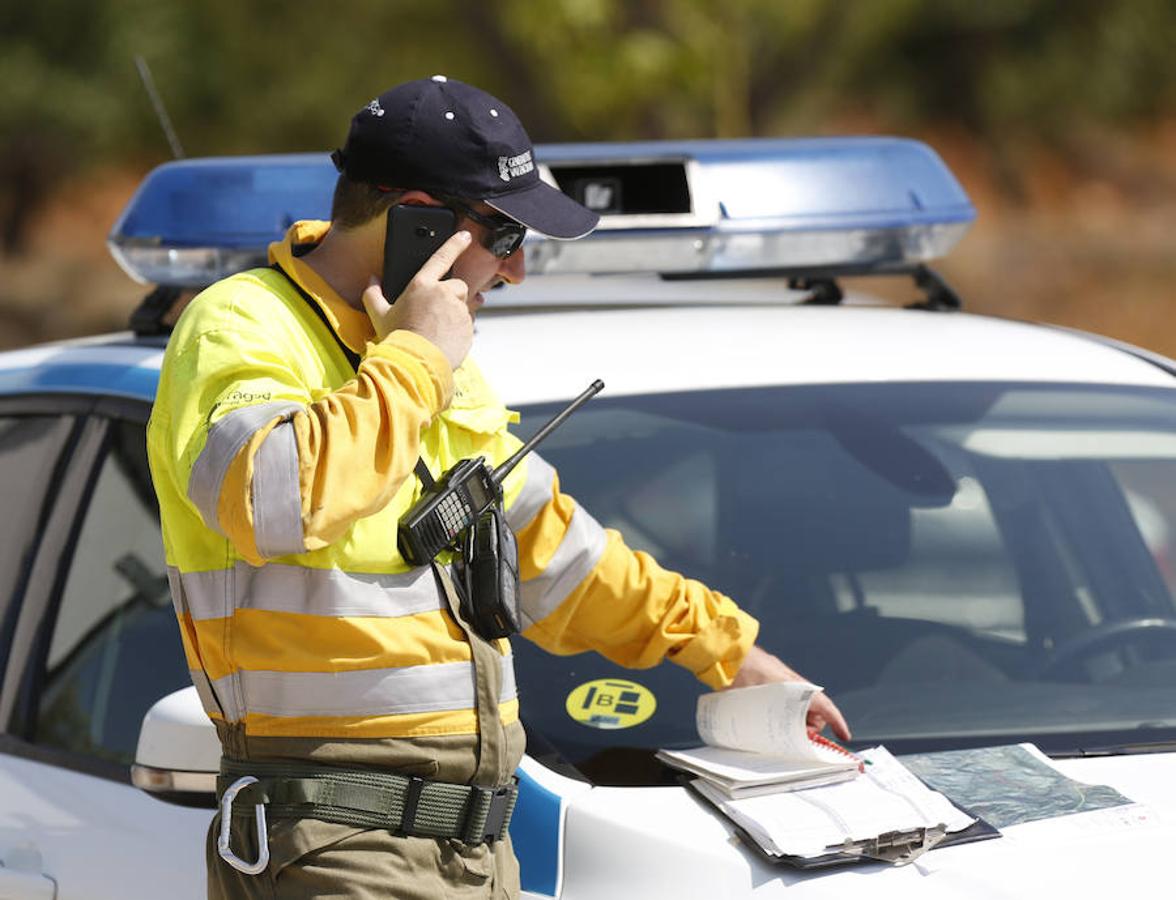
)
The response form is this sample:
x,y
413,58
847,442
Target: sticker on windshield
x,y
611,703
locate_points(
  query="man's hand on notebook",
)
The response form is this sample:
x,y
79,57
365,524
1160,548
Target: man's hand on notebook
x,y
761,667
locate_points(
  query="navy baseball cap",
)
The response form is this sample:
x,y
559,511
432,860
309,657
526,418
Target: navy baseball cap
x,y
445,137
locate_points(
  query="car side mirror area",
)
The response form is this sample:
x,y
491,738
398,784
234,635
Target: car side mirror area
x,y
178,756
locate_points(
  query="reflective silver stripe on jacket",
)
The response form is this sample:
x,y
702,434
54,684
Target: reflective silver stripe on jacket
x,y
175,581
225,440
277,498
576,556
275,587
199,677
536,493
204,691
368,692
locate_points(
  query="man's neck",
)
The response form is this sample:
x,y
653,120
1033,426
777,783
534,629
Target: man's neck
x,y
343,260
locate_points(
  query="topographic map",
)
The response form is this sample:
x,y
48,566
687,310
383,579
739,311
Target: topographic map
x,y
1008,785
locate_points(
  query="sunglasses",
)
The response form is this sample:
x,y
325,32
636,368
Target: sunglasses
x,y
502,236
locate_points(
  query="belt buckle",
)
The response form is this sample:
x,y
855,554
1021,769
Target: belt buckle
x,y
222,840
498,804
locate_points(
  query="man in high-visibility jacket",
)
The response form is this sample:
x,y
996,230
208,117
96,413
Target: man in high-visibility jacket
x,y
293,405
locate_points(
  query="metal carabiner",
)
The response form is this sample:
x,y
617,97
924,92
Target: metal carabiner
x,y
222,841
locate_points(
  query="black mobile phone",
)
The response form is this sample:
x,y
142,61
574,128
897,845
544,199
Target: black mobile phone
x,y
413,235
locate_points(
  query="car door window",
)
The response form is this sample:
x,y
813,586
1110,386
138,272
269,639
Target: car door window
x,y
30,447
115,647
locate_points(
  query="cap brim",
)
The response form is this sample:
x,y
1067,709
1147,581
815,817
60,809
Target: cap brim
x,y
547,210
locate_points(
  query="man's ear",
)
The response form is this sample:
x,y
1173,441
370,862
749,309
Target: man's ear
x,y
418,198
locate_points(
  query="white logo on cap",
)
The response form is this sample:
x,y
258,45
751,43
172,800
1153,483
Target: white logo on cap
x,y
375,109
513,166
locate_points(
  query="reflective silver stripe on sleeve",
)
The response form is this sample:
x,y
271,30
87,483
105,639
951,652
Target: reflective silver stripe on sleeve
x,y
365,692
275,587
277,499
225,439
536,493
577,554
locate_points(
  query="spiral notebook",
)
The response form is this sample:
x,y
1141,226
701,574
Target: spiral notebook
x,y
757,742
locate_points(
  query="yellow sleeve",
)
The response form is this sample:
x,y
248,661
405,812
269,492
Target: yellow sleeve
x,y
355,446
584,589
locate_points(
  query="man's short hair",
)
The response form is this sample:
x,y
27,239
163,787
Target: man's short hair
x,y
356,203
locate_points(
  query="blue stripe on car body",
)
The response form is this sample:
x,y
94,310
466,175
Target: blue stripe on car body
x,y
535,831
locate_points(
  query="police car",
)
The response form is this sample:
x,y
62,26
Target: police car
x,y
962,527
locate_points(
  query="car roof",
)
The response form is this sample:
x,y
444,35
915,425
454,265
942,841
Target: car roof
x,y
550,355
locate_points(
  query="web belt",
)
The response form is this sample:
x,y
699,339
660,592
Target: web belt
x,y
404,805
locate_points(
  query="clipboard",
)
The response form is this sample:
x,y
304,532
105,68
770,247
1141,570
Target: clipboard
x,y
894,847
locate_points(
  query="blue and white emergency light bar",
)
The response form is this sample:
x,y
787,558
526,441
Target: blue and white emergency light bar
x,y
674,207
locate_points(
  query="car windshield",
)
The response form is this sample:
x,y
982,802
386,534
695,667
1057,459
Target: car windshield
x,y
956,563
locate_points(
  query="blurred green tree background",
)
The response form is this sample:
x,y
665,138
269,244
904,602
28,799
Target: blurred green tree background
x,y
1065,107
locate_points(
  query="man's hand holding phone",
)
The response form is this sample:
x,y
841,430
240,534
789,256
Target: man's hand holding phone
x,y
432,305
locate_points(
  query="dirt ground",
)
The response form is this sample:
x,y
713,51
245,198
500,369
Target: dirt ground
x,y
1086,239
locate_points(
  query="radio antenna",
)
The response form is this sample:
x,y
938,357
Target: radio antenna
x,y
503,470
160,110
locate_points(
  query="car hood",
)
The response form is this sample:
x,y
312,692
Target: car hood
x,y
662,842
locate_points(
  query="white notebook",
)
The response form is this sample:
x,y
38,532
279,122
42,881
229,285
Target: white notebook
x,y
757,743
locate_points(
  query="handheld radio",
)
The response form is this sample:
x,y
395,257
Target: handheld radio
x,y
487,575
458,499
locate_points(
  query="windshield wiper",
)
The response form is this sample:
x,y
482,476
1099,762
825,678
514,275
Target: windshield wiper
x,y
1118,750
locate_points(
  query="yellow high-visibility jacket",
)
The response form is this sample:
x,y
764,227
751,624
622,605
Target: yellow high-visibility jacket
x,y
281,474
